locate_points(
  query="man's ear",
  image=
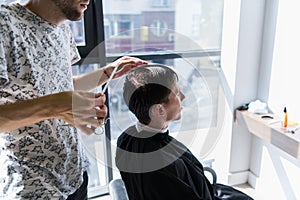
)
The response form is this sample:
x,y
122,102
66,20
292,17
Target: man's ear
x,y
157,110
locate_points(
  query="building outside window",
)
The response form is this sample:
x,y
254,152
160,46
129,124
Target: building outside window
x,y
78,32
159,3
158,28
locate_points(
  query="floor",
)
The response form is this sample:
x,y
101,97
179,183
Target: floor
x,y
244,188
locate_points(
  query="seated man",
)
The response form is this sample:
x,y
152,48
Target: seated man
x,y
154,165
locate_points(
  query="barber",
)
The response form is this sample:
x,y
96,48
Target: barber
x,y
41,157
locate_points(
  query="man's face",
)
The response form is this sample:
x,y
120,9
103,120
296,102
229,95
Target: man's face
x,y
173,107
72,9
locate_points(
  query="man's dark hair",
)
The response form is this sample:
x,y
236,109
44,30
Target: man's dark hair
x,y
148,85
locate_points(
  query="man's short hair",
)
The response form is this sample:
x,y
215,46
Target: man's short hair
x,y
148,85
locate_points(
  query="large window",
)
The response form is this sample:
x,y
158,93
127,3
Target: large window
x,y
183,34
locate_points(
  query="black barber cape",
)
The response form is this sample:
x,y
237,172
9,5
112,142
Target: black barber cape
x,y
158,167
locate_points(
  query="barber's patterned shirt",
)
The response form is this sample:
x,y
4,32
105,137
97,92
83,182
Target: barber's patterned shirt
x,y
44,160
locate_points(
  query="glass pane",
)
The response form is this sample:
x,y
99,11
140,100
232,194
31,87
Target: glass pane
x,y
94,146
78,31
9,1
168,26
199,82
95,149
162,25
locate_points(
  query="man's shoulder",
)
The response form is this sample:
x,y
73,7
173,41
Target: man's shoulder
x,y
127,133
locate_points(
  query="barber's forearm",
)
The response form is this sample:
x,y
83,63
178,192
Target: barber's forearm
x,y
20,114
98,77
92,80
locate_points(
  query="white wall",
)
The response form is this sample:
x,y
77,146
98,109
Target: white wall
x,y
284,84
263,65
241,53
271,166
274,173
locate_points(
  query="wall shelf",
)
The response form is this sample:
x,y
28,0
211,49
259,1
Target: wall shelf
x,y
271,130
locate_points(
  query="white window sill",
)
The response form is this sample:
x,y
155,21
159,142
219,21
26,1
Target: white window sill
x,y
271,130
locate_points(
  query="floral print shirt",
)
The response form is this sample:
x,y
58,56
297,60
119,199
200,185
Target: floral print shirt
x,y
44,160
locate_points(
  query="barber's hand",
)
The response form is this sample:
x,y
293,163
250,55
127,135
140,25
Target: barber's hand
x,y
84,110
124,64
